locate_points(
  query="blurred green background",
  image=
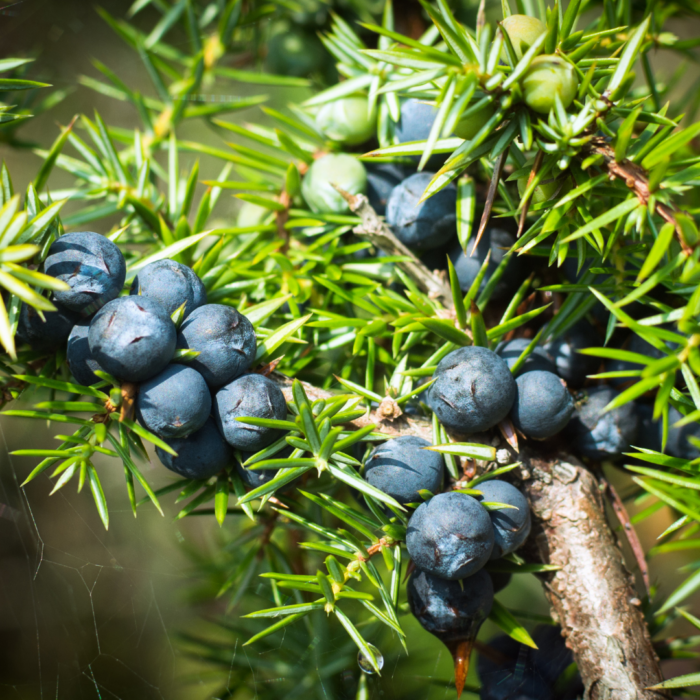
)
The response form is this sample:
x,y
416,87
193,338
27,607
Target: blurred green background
x,y
86,613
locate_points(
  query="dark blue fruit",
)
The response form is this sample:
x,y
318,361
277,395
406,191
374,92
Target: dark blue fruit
x,y
538,359
249,396
499,579
171,284
677,444
253,478
93,267
509,673
473,391
225,340
467,266
80,360
381,180
510,526
450,536
453,611
428,224
601,435
200,455
543,406
174,403
416,121
47,335
509,670
552,657
650,433
564,350
401,468
640,346
132,338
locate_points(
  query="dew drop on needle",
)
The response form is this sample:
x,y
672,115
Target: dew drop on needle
x,y
365,663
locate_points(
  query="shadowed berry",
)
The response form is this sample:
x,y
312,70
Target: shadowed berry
x,y
543,406
80,360
677,444
509,670
401,468
415,122
538,359
336,168
347,120
564,350
510,526
641,347
547,77
650,433
428,224
381,180
506,672
450,536
296,52
225,340
499,580
174,403
552,657
132,338
523,31
171,284
253,478
467,267
47,335
601,435
93,267
473,390
249,396
453,611
200,455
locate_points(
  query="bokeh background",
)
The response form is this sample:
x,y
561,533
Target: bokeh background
x,y
86,613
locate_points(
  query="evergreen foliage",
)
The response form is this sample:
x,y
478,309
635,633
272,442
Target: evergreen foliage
x,y
602,190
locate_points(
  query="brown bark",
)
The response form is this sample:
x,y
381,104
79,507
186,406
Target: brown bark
x,y
592,595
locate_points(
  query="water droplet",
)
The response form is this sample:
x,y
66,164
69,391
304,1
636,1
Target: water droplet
x,y
365,664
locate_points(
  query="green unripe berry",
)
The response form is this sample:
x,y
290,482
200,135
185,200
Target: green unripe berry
x,y
543,192
339,168
348,120
547,77
294,51
469,127
523,31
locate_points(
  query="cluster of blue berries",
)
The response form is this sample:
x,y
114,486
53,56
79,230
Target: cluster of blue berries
x,y
451,538
191,403
394,190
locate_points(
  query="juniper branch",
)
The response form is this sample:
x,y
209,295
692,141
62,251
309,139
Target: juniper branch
x,y
379,234
592,595
636,179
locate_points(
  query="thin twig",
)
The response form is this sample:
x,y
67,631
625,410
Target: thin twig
x,y
635,177
490,197
631,534
526,203
380,235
